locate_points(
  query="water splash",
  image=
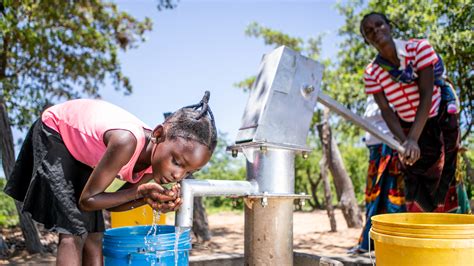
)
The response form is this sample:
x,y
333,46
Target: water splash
x,y
150,246
178,231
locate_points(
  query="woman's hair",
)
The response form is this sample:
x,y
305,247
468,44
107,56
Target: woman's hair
x,y
194,122
361,28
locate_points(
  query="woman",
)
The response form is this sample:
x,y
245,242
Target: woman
x,y
420,121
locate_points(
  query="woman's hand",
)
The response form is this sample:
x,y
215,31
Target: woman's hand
x,y
159,198
412,152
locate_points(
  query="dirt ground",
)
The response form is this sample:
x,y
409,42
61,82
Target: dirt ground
x,y
310,235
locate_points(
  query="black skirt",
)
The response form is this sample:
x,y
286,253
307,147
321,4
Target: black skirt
x,y
49,182
431,182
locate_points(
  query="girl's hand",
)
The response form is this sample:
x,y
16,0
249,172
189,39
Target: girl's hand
x,y
412,152
174,204
160,198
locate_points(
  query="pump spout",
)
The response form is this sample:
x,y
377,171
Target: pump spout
x,y
191,188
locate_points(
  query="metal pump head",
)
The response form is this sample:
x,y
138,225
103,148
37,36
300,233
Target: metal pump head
x,y
282,99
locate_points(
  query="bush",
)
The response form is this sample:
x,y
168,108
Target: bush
x,y
8,214
463,172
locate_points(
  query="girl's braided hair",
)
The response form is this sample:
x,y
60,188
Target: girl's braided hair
x,y
194,122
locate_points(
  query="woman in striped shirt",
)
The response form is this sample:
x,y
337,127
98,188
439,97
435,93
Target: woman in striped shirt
x,y
413,109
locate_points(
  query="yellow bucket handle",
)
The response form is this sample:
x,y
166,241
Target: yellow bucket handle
x,y
370,251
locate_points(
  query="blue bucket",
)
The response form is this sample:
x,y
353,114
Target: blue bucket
x,y
126,246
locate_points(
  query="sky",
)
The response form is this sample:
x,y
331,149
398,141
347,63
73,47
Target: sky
x,y
201,45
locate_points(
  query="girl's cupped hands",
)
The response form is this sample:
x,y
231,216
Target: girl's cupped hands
x,y
159,197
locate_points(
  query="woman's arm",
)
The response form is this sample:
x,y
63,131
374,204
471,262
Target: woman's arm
x,y
389,116
425,88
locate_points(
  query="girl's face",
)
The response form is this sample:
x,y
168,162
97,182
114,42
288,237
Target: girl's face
x,y
173,160
376,31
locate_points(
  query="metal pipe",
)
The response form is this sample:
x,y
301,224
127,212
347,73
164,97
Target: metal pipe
x,y
191,188
347,114
273,169
269,220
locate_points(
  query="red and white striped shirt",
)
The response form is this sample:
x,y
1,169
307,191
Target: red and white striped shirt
x,y
404,97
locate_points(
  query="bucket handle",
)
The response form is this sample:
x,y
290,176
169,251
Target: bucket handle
x,y
370,250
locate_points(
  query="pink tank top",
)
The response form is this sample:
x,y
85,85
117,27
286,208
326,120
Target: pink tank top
x,y
82,124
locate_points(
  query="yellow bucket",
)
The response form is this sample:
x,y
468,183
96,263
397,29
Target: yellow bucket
x,y
142,215
423,239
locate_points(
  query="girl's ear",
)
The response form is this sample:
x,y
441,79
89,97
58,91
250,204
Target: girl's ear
x,y
158,135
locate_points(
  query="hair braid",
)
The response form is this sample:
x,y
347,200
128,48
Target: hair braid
x,y
193,124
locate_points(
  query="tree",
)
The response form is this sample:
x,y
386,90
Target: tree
x,y
326,138
311,49
56,51
344,188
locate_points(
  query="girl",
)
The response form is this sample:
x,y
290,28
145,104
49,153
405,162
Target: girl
x,y
420,121
74,152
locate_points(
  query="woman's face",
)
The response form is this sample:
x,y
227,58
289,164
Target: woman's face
x,y
174,159
376,31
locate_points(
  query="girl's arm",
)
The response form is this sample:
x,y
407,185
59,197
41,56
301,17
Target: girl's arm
x,y
120,148
389,116
134,203
121,145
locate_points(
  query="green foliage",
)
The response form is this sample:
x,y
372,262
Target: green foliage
x,y
223,167
273,37
466,160
167,4
61,50
356,160
310,48
245,84
307,172
8,215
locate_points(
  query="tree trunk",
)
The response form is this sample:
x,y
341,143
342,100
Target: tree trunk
x,y
342,182
28,228
200,222
3,248
314,190
323,164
